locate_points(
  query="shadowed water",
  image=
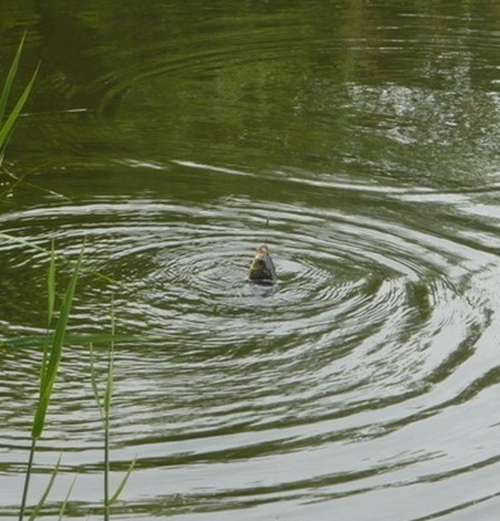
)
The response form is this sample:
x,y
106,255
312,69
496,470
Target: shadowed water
x,y
364,384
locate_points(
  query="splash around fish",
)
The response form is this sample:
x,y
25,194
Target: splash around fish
x,y
262,270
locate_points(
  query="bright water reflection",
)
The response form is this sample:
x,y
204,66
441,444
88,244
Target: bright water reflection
x,y
364,386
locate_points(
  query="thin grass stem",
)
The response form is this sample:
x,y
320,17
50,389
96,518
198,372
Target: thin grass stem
x,y
108,394
27,479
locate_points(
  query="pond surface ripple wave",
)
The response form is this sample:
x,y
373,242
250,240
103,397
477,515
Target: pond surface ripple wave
x,y
363,386
353,379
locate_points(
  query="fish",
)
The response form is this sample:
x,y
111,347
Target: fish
x,y
262,269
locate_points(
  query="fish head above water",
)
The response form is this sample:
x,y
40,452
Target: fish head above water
x,y
262,267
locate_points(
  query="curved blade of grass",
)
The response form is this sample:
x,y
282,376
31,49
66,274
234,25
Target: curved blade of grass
x,y
93,380
10,79
51,296
51,284
71,338
123,482
37,509
7,127
54,355
108,394
66,499
24,242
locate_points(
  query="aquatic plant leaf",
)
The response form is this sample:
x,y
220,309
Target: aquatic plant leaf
x,y
54,355
71,338
40,504
24,242
7,127
93,380
51,293
123,482
4,96
108,394
51,284
12,238
66,499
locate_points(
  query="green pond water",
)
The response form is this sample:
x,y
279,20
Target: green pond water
x,y
363,386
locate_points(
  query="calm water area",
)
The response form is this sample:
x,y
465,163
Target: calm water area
x,y
360,140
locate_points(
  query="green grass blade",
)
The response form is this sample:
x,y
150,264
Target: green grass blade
x,y
65,502
108,393
10,79
71,338
93,380
7,127
54,356
51,293
123,482
37,509
12,238
51,284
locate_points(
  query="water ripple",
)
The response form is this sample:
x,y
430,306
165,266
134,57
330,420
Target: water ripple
x,y
365,313
363,381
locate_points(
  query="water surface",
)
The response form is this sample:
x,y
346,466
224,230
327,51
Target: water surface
x,y
364,385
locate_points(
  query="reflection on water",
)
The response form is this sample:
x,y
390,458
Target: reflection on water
x,y
363,385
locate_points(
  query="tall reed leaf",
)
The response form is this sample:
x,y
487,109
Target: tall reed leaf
x,y
54,356
51,297
4,95
51,284
7,126
50,364
104,404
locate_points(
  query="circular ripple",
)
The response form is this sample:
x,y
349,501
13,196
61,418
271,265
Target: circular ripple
x,y
367,377
374,328
350,288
